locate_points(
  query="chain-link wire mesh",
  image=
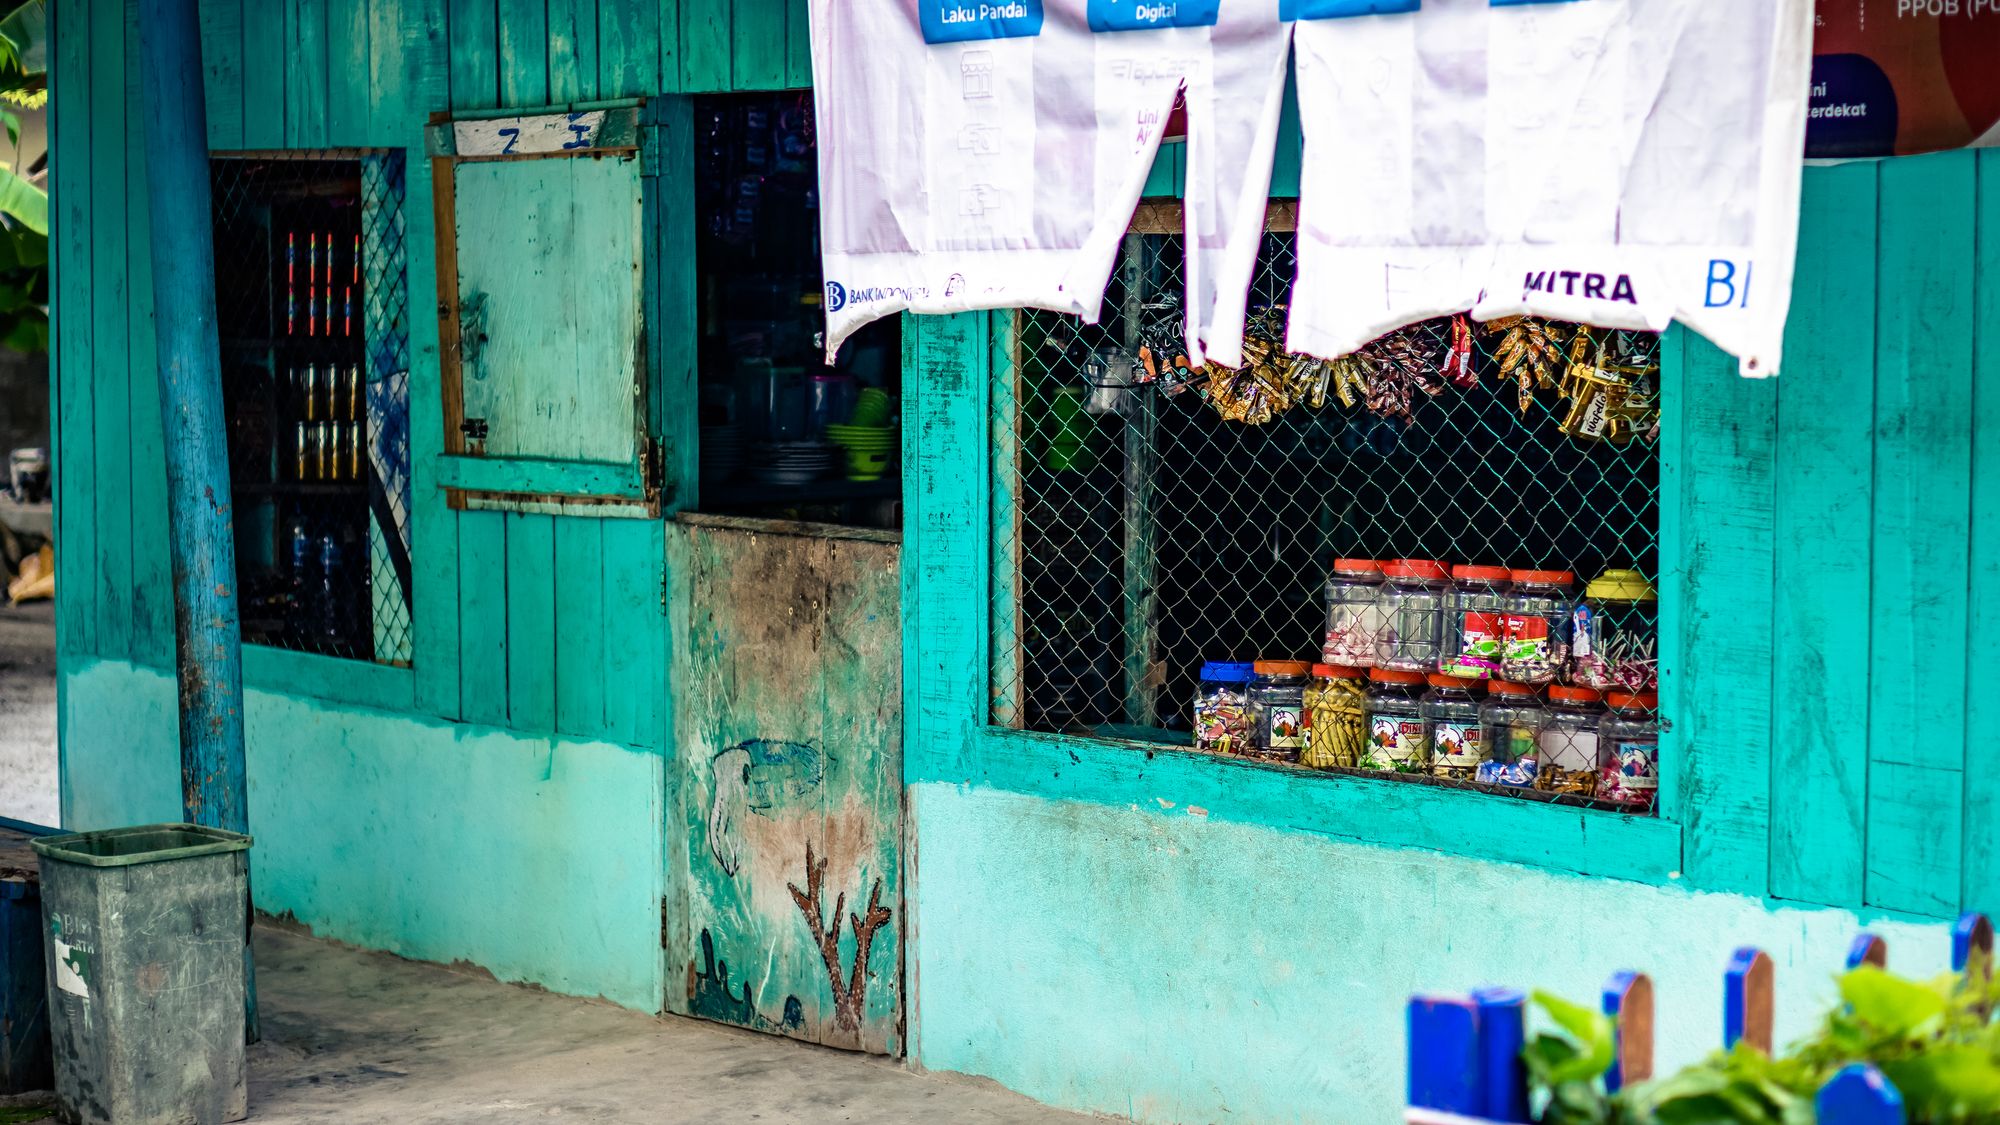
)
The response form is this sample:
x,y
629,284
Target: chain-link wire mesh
x,y
312,304
1138,533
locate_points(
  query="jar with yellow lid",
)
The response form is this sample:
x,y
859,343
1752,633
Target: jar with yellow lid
x,y
1615,634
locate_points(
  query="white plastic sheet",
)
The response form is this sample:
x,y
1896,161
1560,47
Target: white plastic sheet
x,y
1619,162
986,154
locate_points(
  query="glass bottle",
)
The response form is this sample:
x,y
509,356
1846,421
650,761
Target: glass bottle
x,y
1615,634
1278,708
1222,708
1336,717
1451,712
1475,630
1630,739
1510,723
1413,597
1538,626
1353,613
1398,740
1569,742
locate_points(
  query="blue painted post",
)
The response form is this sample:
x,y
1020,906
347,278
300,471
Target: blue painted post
x,y
1747,1005
1628,1000
1444,1055
1503,1074
1859,1095
207,629
1867,949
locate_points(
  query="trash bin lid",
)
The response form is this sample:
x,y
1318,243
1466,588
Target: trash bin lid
x,y
145,843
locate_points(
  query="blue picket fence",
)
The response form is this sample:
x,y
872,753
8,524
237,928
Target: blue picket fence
x,y
1465,1051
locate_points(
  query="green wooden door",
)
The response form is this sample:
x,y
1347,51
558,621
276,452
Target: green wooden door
x,y
548,290
789,744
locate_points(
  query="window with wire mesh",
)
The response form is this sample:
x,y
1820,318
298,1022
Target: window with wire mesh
x,y
1144,526
312,304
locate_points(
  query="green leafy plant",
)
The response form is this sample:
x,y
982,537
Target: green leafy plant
x,y
1933,1039
24,200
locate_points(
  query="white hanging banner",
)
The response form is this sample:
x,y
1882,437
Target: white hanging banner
x,y
1624,163
988,154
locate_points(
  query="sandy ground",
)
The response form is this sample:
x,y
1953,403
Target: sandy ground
x,y
28,712
364,1037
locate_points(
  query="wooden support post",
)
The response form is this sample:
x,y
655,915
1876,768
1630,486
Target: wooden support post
x,y
1444,1055
1503,1032
1628,1000
1747,1004
1859,1095
1867,949
207,628
1141,692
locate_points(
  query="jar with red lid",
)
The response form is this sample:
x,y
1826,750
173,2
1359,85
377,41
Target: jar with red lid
x,y
1398,739
1452,712
1510,729
1413,597
1570,742
1538,626
1353,613
1475,631
1278,708
1336,716
1630,736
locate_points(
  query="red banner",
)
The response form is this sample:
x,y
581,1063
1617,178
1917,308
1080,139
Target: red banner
x,y
1895,77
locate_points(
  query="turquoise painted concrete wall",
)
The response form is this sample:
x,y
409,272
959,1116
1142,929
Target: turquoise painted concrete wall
x,y
536,858
1144,960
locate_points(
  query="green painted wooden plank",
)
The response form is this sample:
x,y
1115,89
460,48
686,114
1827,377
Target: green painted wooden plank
x,y
1915,831
947,371
222,71
350,682
410,68
475,54
573,51
264,67
758,44
798,44
1385,813
306,85
1291,146
1825,478
579,652
1164,181
670,59
482,617
1724,586
673,289
1980,879
521,475
531,622
152,558
1923,465
635,629
524,53
72,126
111,442
705,46
350,78
628,48
434,533
1005,635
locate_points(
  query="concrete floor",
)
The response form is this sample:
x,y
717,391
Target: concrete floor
x,y
364,1037
28,711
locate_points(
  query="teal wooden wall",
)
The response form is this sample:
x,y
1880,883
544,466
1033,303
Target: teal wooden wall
x,y
535,622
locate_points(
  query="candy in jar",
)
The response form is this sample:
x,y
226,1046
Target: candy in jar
x,y
1353,613
1630,735
1452,713
1569,742
1278,708
1475,630
1337,717
1538,626
1222,708
1510,724
1615,633
1398,739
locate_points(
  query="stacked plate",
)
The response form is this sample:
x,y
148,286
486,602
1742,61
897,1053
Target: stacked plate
x,y
721,452
791,462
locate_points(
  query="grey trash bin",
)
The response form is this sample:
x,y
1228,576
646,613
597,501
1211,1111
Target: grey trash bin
x,y
145,930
